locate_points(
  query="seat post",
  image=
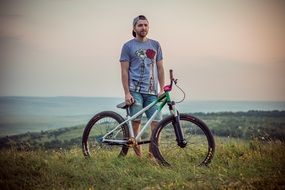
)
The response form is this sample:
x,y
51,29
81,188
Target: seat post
x,y
128,111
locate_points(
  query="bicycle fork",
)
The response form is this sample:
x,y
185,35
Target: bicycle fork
x,y
181,141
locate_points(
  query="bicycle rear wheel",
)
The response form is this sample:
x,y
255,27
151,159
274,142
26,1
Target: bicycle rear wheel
x,y
200,146
97,127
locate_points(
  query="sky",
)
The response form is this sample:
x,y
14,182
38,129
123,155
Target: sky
x,y
219,50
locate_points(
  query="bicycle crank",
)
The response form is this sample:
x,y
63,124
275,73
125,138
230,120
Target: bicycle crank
x,y
132,142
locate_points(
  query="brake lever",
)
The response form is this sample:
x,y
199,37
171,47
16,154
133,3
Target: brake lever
x,y
175,81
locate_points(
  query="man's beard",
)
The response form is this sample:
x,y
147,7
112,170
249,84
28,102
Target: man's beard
x,y
142,34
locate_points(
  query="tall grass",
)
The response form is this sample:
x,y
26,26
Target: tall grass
x,y
237,164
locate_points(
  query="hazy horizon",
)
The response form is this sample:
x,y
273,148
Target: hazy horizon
x,y
222,50
175,98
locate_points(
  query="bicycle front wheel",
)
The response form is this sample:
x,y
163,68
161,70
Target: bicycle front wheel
x,y
97,127
200,146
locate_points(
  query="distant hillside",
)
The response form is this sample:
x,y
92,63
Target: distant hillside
x,y
35,114
246,125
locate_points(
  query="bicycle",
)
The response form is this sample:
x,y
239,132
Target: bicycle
x,y
177,138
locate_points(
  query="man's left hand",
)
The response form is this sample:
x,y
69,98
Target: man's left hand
x,y
160,93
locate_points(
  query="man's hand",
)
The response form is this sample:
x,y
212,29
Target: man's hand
x,y
129,99
160,93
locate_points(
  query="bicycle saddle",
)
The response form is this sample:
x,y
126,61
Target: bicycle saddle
x,y
123,105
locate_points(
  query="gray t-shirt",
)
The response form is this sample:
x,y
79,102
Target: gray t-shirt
x,y
142,57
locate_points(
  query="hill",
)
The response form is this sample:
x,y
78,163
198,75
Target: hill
x,y
264,125
236,165
249,154
35,114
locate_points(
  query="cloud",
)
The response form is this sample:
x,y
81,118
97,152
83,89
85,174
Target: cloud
x,y
7,39
8,45
8,6
10,16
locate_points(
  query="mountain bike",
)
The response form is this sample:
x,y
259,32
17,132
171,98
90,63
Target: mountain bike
x,y
178,137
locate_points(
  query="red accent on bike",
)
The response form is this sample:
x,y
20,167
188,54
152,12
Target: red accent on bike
x,y
167,88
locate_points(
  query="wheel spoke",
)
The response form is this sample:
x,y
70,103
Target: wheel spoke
x,y
196,150
95,130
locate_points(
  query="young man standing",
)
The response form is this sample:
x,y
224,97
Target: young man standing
x,y
142,70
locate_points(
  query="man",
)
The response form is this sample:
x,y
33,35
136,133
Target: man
x,y
141,70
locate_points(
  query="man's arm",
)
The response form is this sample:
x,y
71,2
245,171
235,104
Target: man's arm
x,y
125,81
161,77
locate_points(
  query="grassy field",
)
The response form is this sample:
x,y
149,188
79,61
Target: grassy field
x,y
238,164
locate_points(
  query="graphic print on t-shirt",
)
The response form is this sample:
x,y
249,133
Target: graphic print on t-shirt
x,y
147,62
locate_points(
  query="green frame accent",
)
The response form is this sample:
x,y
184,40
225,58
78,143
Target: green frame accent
x,y
164,98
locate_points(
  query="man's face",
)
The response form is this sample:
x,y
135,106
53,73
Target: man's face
x,y
141,28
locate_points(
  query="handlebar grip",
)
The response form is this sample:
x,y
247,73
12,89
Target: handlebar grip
x,y
171,74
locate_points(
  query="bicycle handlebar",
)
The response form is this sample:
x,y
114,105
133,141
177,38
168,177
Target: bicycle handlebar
x,y
168,88
171,74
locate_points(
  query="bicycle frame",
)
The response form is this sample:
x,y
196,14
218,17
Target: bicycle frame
x,y
122,132
163,99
